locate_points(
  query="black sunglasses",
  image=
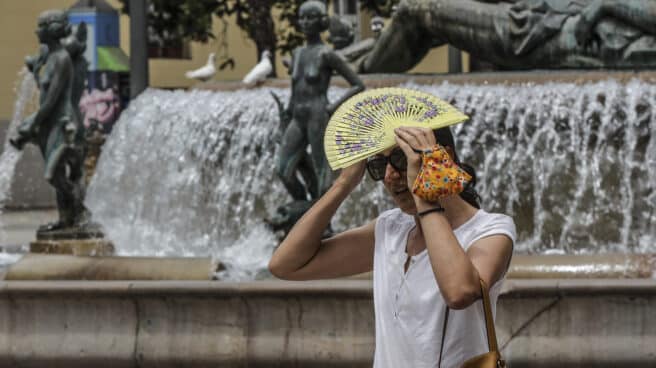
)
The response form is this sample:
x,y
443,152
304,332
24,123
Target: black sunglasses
x,y
377,165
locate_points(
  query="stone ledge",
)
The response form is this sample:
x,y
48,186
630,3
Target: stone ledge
x,y
584,287
77,247
540,323
511,77
66,267
184,330
332,288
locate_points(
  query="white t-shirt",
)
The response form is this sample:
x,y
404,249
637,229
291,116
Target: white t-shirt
x,y
409,307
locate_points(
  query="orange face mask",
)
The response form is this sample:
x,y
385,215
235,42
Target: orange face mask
x,y
439,176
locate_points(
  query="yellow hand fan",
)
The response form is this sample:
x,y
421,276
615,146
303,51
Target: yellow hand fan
x,y
364,125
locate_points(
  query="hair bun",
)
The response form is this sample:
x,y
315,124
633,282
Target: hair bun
x,y
470,170
469,193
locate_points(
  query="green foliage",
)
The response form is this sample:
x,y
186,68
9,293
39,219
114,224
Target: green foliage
x,y
271,24
172,21
256,18
288,35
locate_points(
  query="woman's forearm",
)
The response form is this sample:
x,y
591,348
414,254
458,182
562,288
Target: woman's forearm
x,y
454,272
303,241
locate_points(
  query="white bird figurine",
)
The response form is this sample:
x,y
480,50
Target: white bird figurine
x,y
204,73
259,71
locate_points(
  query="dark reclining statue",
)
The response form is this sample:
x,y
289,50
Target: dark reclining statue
x,y
519,34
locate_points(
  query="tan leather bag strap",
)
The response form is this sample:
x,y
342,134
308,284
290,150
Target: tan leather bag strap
x,y
489,323
489,320
446,319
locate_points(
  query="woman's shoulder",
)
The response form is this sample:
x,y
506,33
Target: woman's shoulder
x,y
394,218
389,226
391,214
491,223
496,218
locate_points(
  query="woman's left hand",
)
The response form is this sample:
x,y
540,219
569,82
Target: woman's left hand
x,y
412,139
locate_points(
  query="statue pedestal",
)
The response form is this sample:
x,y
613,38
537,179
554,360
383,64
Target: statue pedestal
x,y
76,247
79,241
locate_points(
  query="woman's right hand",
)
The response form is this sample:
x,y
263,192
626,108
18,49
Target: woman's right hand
x,y
351,176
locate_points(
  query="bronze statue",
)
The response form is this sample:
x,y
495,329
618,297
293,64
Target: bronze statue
x,y
520,34
76,44
56,127
340,32
312,67
305,118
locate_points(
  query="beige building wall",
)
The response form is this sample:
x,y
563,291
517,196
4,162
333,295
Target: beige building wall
x,y
17,39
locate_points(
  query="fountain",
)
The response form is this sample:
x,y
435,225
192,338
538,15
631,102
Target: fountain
x,y
194,174
59,71
594,140
25,91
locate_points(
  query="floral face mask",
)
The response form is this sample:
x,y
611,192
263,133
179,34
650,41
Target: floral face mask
x,y
439,176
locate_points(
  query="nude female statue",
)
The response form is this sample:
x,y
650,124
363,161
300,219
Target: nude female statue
x,y
520,34
56,128
312,66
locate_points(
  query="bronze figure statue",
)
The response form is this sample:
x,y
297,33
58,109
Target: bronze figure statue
x,y
520,34
76,44
305,118
56,127
312,67
340,32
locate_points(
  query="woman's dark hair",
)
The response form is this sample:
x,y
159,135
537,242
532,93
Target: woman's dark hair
x,y
444,137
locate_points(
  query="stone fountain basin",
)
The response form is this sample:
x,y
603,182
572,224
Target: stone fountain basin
x,y
554,311
506,77
34,266
541,322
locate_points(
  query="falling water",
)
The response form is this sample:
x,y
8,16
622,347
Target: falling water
x,y
192,173
574,164
26,95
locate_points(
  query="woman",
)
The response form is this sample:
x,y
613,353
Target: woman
x,y
423,259
312,67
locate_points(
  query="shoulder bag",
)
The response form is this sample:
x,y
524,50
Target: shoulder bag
x,y
491,359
